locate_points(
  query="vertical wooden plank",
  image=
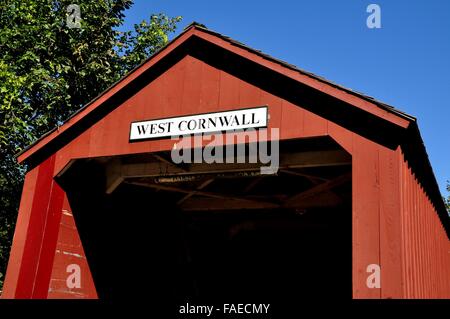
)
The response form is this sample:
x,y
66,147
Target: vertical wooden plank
x,y
249,95
366,209
437,252
35,230
390,225
149,104
420,239
434,286
424,241
173,89
119,131
81,144
424,231
411,233
441,288
229,91
416,241
192,86
438,288
174,82
275,109
97,142
408,214
416,251
426,255
291,121
412,236
444,248
210,89
403,210
20,234
428,248
48,245
444,262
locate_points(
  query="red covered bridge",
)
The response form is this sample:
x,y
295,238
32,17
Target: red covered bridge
x,y
354,189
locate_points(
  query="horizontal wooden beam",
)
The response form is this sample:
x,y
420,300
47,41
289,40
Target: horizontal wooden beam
x,y
287,161
117,171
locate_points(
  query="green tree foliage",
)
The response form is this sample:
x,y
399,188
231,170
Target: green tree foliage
x,y
49,70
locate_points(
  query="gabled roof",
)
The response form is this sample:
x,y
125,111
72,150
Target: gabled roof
x,y
359,100
399,122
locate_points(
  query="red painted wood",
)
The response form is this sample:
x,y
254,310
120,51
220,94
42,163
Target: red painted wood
x,y
229,91
69,250
20,235
275,108
314,125
394,223
291,121
48,246
301,77
366,215
192,86
342,136
306,79
35,231
249,95
390,225
173,94
209,89
425,256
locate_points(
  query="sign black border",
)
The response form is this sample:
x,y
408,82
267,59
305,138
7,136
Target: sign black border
x,y
193,134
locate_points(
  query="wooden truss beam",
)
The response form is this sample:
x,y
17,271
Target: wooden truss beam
x,y
294,200
163,168
199,188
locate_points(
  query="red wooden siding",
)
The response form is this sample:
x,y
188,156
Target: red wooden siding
x,y
36,242
366,218
69,250
193,31
426,248
390,224
394,224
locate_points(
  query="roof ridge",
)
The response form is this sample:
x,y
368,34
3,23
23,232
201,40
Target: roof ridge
x,y
194,24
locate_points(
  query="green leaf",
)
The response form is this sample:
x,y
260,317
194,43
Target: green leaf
x,y
48,71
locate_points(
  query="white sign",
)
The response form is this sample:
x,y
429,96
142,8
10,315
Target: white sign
x,y
201,123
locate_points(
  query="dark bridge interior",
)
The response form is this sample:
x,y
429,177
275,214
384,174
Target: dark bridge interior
x,y
221,232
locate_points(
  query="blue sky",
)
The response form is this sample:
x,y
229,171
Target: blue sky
x,y
406,63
